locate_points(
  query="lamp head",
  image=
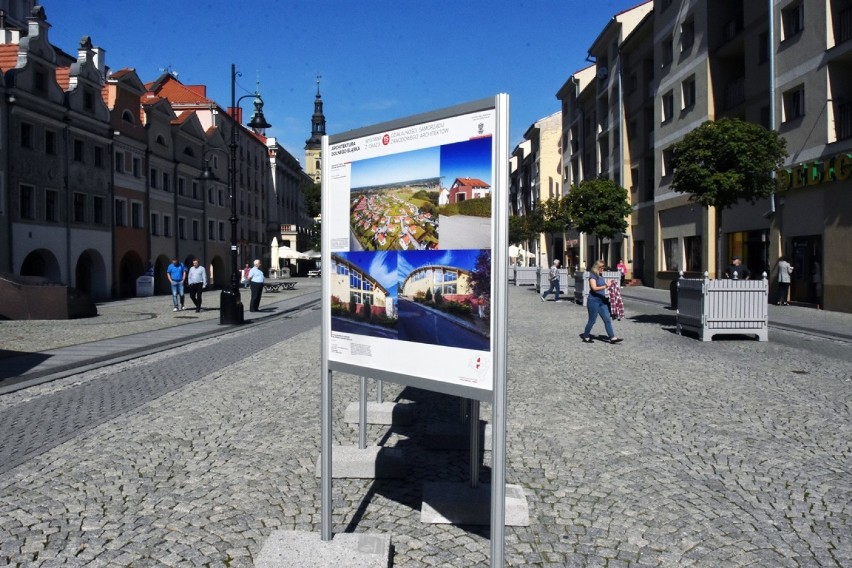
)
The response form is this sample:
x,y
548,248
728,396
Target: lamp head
x,y
258,122
207,174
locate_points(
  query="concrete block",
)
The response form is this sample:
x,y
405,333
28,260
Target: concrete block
x,y
373,462
286,549
455,436
382,413
460,504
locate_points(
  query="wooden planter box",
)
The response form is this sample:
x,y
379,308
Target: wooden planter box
x,y
544,280
717,307
526,275
581,284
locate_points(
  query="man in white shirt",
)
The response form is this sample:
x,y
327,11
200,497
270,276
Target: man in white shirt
x,y
196,280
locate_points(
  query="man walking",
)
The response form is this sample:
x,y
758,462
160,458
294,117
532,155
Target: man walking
x,y
196,280
256,279
554,281
176,273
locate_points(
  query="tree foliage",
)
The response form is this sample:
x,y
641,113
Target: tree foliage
x,y
599,206
481,276
521,229
555,215
722,162
312,193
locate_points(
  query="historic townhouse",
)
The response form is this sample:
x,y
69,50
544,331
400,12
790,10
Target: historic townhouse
x,y
123,91
58,176
99,181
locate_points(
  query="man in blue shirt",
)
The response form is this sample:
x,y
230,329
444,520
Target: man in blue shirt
x,y
177,276
256,279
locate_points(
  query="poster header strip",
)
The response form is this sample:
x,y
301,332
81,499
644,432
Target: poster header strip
x,y
452,389
458,110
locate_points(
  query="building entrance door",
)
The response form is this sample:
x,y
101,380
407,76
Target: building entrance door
x,y
639,260
806,281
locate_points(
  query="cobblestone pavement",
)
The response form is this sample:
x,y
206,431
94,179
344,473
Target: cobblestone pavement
x,y
661,451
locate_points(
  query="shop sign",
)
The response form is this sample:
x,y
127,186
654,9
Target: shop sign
x,y
838,167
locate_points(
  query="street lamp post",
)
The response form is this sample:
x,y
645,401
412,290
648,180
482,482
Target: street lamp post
x,y
230,304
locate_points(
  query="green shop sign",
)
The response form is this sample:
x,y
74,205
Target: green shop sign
x,y
805,174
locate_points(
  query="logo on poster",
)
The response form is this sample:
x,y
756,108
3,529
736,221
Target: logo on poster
x,y
480,128
386,139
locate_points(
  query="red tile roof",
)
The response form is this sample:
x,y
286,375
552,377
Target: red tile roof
x,y
177,93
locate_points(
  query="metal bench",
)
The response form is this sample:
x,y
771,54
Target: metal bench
x,y
314,273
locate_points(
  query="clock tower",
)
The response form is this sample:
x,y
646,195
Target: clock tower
x,y
313,145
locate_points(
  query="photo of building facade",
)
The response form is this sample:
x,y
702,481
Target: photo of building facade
x,y
356,292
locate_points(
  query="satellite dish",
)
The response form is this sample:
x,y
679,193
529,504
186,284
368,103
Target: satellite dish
x,y
602,73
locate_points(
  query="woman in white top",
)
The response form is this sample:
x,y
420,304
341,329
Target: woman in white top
x,y
784,272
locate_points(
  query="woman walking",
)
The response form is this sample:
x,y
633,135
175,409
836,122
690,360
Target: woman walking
x,y
598,305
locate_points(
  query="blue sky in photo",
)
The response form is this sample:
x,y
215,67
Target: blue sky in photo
x,y
380,265
471,159
408,261
396,168
379,60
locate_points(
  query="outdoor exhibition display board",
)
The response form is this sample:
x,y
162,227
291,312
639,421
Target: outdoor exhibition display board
x,y
414,245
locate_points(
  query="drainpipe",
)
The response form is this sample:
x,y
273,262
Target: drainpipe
x,y
69,196
772,85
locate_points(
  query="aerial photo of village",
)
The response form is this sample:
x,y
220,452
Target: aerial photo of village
x,y
396,217
397,202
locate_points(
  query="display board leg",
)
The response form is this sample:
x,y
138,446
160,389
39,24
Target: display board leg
x,y
325,482
379,395
362,415
474,443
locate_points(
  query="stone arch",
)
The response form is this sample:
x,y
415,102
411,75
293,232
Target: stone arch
x,y
161,283
90,275
42,262
130,268
221,277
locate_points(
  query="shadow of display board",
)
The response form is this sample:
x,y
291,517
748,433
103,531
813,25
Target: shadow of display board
x,y
415,234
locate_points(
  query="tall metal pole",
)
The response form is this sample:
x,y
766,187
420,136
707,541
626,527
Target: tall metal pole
x,y
230,305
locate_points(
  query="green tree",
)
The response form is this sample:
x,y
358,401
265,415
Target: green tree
x,y
599,207
555,216
723,162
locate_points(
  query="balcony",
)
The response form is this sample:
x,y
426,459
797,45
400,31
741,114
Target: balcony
x,y
734,93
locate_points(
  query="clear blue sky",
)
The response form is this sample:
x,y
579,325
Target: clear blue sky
x,y
379,59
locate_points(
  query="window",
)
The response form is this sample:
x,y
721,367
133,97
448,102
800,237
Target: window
x,y
667,162
221,198
27,202
181,183
671,254
50,142
194,189
155,224
167,225
687,36
88,99
120,213
668,106
127,117
136,215
792,20
211,198
99,156
137,166
79,207
688,93
119,162
692,249
668,51
794,104
26,135
181,228
167,182
196,230
78,150
40,81
155,178
98,210
211,229
221,231
51,205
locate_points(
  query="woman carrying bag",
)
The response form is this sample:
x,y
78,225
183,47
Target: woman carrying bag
x,y
598,305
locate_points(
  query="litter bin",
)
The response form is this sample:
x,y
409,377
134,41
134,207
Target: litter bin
x,y
144,286
673,290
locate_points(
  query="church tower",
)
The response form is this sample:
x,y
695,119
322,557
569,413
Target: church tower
x,y
313,145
